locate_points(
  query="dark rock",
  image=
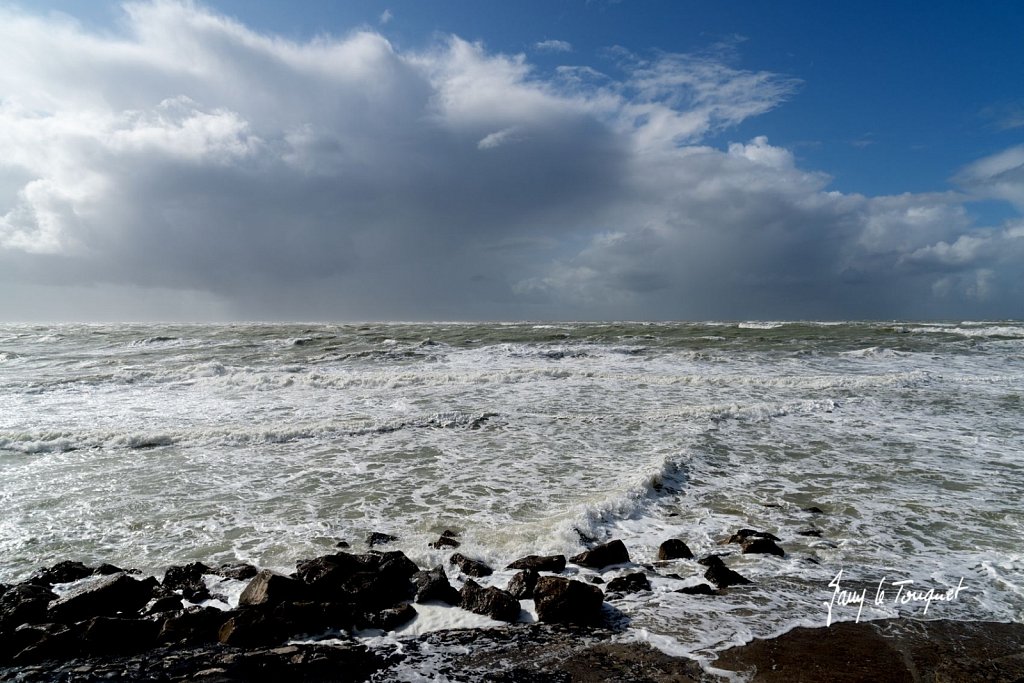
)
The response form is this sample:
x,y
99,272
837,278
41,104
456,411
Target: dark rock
x,y
470,567
238,571
24,603
184,576
613,552
595,579
62,572
342,544
106,569
251,628
444,542
379,538
540,563
584,538
816,533
194,626
522,584
814,510
102,596
630,583
33,643
720,575
113,635
562,600
762,545
372,581
448,533
674,549
699,589
271,624
491,602
388,619
269,588
4,588
433,585
167,603
743,534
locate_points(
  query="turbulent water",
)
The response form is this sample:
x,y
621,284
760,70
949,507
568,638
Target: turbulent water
x,y
153,445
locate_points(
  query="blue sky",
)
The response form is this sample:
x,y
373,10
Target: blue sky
x,y
657,160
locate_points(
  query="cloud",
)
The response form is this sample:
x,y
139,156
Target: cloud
x,y
553,46
190,163
385,17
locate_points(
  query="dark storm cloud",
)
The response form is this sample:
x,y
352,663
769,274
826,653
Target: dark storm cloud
x,y
245,175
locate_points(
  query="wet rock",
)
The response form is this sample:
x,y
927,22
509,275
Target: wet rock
x,y
744,534
379,538
674,549
445,542
374,580
194,626
469,567
62,572
814,510
114,635
342,544
630,583
699,589
720,575
24,603
102,596
540,563
167,603
763,546
4,588
272,624
238,571
613,552
270,588
433,585
491,602
523,583
595,579
387,619
107,568
814,533
32,643
188,580
563,600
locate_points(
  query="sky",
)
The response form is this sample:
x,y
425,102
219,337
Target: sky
x,y
556,159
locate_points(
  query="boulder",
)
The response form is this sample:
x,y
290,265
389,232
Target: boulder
x,y
271,624
491,602
167,603
194,626
387,619
444,542
814,510
378,538
814,533
102,596
371,581
744,534
188,580
115,635
474,568
699,589
720,575
540,563
270,588
34,643
239,571
433,585
522,584
762,545
562,600
24,603
613,552
674,549
62,572
630,583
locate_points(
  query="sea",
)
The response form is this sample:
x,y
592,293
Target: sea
x,y
887,457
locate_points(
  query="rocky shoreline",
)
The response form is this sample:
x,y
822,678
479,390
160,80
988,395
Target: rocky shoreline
x,y
71,622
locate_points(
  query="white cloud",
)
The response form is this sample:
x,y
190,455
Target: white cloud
x,y
553,46
385,17
344,177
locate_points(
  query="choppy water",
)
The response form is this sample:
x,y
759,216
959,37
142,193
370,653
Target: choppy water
x,y
153,445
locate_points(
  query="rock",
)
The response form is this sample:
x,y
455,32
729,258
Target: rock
x,y
444,542
720,575
371,581
182,576
113,635
630,583
763,546
433,585
102,596
107,569
34,643
540,563
4,588
272,624
388,619
24,603
674,549
522,584
595,579
194,626
239,571
379,538
562,600
815,533
743,534
167,603
251,628
491,602
470,567
814,510
613,552
62,572
448,533
270,588
342,544
699,589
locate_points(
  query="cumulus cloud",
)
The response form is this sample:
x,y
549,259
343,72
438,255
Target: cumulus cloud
x,y
553,46
192,163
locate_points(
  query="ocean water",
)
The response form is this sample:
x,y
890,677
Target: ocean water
x,y
152,445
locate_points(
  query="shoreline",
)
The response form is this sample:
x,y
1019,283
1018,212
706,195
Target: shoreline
x,y
70,622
